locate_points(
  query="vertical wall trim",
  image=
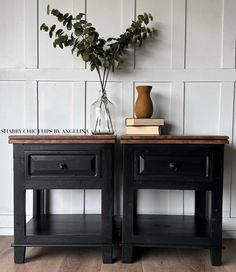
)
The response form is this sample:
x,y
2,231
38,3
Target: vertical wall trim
x,y
226,111
73,104
232,157
178,25
134,83
85,106
222,34
86,17
37,23
184,89
183,131
85,8
228,47
31,26
172,34
25,105
220,106
185,34
37,106
135,14
25,33
78,6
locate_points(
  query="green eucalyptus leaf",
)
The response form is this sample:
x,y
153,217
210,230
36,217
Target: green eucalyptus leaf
x,y
69,19
146,18
69,26
55,12
42,26
150,16
78,32
77,25
85,57
48,9
91,37
52,28
60,17
59,32
102,42
65,16
141,17
92,67
79,16
87,31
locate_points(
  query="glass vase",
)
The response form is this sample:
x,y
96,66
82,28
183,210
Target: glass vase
x,y
102,116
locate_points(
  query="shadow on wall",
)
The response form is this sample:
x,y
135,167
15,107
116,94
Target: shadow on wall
x,y
158,101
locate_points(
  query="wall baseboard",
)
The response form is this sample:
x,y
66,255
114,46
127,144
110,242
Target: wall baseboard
x,y
6,231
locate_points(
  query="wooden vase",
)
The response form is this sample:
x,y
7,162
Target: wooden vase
x,y
143,105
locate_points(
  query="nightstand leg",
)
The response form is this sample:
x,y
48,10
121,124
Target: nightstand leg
x,y
107,254
216,226
216,256
19,255
38,202
200,204
127,254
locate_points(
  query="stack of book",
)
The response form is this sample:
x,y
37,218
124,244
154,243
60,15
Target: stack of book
x,y
144,125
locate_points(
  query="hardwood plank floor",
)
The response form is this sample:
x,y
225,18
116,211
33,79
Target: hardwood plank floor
x,y
89,260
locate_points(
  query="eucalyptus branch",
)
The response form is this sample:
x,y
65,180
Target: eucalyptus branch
x,y
108,71
100,78
84,40
103,78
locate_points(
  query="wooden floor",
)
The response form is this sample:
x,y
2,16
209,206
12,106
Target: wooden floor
x,y
89,260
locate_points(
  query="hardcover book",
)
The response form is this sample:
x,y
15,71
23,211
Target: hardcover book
x,y
144,122
143,130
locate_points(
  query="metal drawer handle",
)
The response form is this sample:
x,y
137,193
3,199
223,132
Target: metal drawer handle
x,y
207,167
173,166
62,165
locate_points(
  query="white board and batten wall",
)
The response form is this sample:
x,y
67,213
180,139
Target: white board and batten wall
x,y
190,64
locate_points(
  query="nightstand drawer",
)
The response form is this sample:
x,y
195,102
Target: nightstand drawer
x,y
173,165
81,165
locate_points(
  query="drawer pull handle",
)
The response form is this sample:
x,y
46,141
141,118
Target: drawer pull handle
x,y
173,166
62,165
207,166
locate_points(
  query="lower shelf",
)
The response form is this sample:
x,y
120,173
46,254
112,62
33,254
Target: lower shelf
x,y
65,224
171,225
66,230
170,230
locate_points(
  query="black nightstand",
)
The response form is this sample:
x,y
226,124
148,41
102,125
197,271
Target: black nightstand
x,y
62,162
180,163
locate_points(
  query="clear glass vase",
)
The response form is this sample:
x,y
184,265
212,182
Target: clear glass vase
x,y
102,116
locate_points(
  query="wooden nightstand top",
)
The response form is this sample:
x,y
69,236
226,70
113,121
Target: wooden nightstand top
x,y
59,139
173,139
